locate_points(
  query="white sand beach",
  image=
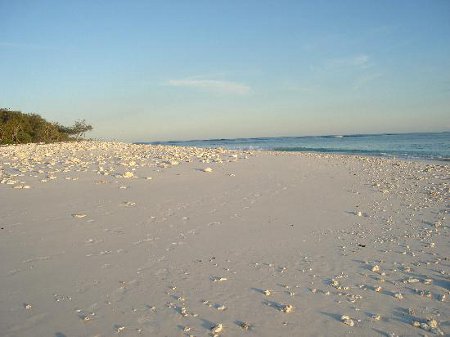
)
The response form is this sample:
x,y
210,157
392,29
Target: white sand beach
x,y
105,239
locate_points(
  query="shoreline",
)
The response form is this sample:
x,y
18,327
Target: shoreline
x,y
249,150
114,238
426,146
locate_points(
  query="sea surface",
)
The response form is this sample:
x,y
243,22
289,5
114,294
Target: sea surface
x,y
420,146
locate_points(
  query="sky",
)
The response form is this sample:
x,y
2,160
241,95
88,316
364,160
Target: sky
x,y
177,70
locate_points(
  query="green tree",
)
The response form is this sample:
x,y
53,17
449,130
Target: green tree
x,y
17,127
78,129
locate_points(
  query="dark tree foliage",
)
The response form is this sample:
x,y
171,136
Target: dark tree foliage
x,y
78,129
17,128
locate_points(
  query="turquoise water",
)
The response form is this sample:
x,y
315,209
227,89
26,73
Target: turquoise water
x,y
429,146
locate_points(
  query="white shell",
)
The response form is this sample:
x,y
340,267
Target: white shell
x,y
217,328
128,175
287,308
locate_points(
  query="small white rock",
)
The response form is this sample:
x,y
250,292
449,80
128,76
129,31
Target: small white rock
x,y
119,329
398,296
347,320
376,317
245,325
376,268
128,175
287,308
218,328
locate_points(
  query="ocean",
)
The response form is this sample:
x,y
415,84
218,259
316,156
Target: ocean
x,y
418,146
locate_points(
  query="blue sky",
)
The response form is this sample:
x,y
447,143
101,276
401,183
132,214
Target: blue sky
x,y
158,70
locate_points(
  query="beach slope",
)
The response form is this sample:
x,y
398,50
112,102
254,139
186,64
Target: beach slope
x,y
99,239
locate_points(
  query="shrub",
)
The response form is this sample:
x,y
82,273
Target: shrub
x,y
17,128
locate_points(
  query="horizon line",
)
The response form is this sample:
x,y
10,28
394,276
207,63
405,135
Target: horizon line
x,y
310,136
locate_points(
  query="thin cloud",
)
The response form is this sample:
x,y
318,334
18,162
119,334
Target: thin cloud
x,y
364,80
358,61
303,89
225,87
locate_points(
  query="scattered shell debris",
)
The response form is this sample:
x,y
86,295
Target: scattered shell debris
x,y
376,317
79,215
245,325
347,320
429,324
395,252
398,296
119,329
217,329
288,308
376,269
128,175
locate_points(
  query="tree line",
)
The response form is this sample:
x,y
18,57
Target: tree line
x,y
17,127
